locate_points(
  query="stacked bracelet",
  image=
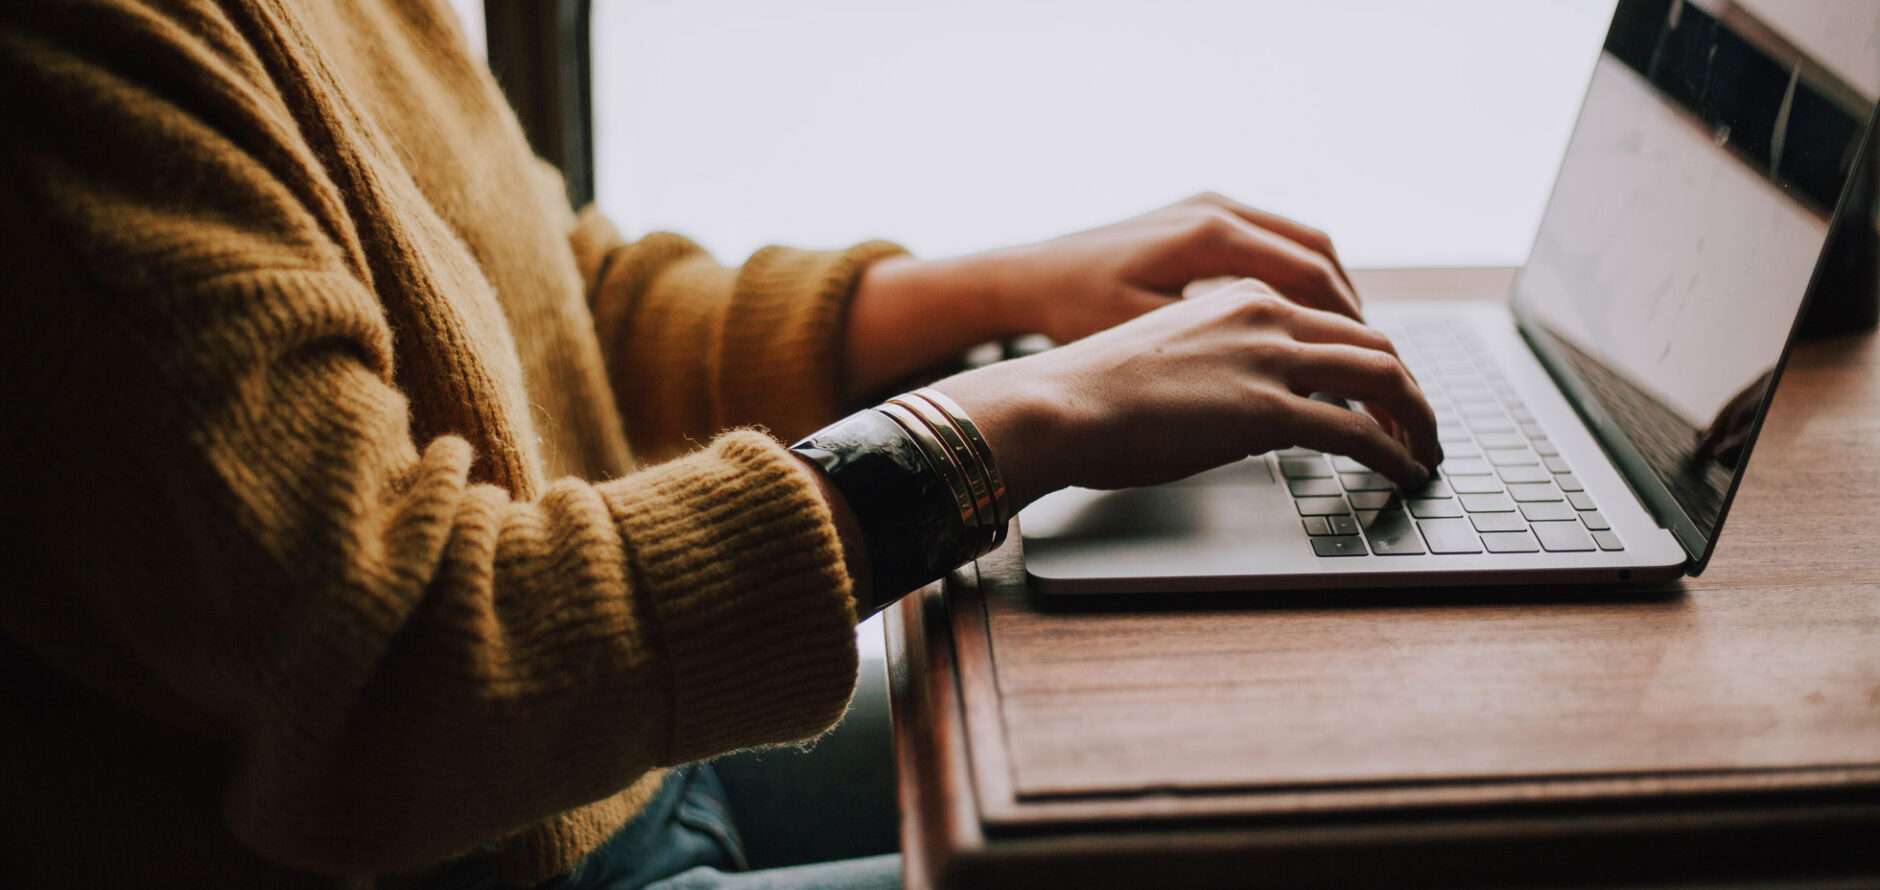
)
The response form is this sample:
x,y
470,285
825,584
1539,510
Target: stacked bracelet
x,y
954,446
922,483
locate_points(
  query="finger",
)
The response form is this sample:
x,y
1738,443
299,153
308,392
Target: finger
x,y
1336,430
1309,237
1318,326
1233,246
1378,380
1314,326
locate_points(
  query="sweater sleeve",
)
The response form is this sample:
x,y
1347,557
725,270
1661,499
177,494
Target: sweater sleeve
x,y
756,345
232,527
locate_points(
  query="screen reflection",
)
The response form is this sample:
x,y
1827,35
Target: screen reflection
x,y
1690,209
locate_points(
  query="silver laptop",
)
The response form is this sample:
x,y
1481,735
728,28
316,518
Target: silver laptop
x,y
1595,428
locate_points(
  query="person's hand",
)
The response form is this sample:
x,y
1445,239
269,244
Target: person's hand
x,y
1074,286
909,314
1195,384
1723,441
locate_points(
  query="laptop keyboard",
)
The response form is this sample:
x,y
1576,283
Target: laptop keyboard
x,y
1502,488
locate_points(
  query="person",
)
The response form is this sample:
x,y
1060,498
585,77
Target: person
x,y
379,519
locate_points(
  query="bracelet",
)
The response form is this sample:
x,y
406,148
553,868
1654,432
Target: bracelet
x,y
908,515
948,451
994,480
942,431
922,483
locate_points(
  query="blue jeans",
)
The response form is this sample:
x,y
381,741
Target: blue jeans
x,y
833,802
685,839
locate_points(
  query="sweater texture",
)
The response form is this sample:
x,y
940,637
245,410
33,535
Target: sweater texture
x,y
358,520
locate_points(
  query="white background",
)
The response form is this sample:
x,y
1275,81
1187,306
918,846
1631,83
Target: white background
x,y
1421,133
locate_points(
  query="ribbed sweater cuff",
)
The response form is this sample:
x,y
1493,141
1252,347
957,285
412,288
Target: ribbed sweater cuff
x,y
742,578
783,335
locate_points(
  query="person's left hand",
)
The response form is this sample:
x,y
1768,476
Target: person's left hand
x,y
908,314
1073,286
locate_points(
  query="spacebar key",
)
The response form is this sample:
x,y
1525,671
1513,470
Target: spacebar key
x,y
1393,534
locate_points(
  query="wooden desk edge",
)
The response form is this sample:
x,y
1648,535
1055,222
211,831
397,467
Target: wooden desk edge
x,y
947,844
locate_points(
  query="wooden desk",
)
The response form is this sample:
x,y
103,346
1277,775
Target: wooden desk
x,y
1724,727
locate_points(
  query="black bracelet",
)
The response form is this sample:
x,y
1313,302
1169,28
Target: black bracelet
x,y
909,520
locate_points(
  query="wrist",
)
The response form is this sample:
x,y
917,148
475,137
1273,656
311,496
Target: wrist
x,y
1022,421
909,315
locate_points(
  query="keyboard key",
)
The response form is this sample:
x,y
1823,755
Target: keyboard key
x,y
1501,440
1321,506
1545,448
1343,525
1481,410
1580,500
1501,542
1491,424
1450,536
1373,500
1434,508
1534,491
1393,534
1466,467
1303,467
1344,464
1569,482
1557,465
1513,457
1296,452
1316,525
1435,488
1339,545
1563,537
1552,511
1498,522
1487,503
1454,435
1366,481
1607,541
1513,475
1305,488
1595,521
1474,484
1521,415
1533,431
1461,451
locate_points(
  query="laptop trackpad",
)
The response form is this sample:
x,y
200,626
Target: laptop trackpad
x,y
1222,501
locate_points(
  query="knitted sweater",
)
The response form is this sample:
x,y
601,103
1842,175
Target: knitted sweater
x,y
329,555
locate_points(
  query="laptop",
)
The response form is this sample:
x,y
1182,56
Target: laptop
x,y
1596,427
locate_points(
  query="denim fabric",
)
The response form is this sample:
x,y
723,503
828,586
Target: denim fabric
x,y
686,839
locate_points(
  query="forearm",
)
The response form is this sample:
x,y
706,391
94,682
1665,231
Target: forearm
x,y
911,314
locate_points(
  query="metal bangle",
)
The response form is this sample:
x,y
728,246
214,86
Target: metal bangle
x,y
994,479
907,512
936,452
963,454
977,531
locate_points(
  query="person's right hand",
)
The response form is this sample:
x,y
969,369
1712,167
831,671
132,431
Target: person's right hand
x,y
1196,384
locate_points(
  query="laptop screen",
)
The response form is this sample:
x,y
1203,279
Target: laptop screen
x,y
1683,232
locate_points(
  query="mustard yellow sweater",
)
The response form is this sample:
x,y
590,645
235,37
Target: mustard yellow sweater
x,y
328,551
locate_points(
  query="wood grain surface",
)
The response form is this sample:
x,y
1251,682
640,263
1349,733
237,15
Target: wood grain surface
x,y
1761,677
